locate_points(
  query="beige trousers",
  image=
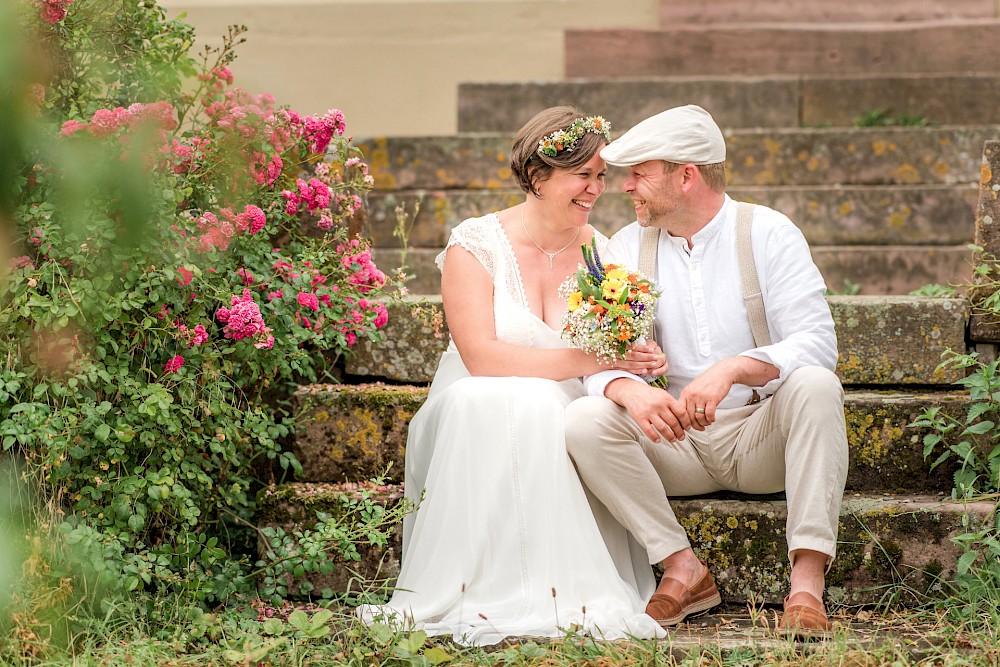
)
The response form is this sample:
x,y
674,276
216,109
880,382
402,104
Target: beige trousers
x,y
795,440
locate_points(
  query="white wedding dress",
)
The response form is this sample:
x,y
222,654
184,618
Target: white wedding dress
x,y
504,542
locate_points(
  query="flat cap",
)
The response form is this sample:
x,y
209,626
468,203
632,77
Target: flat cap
x,y
685,135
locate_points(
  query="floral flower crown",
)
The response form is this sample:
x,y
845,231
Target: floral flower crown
x,y
565,140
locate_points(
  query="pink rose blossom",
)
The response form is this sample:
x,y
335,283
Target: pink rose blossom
x,y
243,320
382,315
185,276
200,336
173,365
307,300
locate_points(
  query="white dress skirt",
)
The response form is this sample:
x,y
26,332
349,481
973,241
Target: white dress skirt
x,y
504,542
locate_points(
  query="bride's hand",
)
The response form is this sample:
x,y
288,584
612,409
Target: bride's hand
x,y
646,359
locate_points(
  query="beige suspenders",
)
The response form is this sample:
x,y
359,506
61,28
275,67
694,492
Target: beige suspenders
x,y
752,296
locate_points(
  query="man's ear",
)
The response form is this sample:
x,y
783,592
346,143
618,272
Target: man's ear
x,y
689,177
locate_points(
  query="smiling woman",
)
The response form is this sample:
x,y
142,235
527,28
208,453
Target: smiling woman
x,y
504,542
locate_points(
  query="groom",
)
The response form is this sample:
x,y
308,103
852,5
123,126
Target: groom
x,y
753,404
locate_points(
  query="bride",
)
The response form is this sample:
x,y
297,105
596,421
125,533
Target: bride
x,y
504,542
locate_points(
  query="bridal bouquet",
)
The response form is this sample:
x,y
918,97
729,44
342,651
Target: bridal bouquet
x,y
608,308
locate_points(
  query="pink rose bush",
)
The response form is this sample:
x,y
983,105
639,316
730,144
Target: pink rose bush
x,y
203,266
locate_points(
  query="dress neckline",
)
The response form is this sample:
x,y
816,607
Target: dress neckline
x,y
495,218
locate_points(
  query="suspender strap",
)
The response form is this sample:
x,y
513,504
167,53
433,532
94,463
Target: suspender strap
x,y
647,262
748,276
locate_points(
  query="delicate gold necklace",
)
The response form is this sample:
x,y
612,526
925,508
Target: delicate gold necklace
x,y
550,255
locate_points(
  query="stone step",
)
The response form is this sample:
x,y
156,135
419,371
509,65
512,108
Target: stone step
x,y
888,546
827,215
356,432
740,101
757,157
967,45
877,270
821,11
883,340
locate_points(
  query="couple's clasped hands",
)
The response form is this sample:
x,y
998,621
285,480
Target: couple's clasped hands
x,y
660,415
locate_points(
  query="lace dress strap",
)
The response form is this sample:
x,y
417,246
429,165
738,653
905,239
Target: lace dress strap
x,y
485,238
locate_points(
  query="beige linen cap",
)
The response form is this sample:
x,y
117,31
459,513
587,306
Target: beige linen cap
x,y
685,135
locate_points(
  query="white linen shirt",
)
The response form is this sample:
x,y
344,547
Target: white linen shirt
x,y
701,317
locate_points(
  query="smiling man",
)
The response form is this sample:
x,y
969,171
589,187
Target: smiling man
x,y
753,403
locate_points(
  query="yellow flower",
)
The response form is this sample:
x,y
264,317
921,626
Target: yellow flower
x,y
574,301
612,289
617,274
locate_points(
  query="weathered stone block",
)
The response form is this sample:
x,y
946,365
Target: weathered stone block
x,y
886,452
883,340
985,326
294,507
886,544
883,543
944,99
357,432
876,269
892,270
765,157
354,432
887,340
776,101
413,340
734,102
885,48
934,215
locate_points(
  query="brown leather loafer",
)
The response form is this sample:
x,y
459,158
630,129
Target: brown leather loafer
x,y
805,616
678,602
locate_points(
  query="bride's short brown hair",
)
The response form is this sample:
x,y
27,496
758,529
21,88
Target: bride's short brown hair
x,y
531,167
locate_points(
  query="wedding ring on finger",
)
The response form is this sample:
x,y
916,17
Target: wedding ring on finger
x,y
700,411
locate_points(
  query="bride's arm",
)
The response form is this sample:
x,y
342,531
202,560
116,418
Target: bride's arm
x,y
467,293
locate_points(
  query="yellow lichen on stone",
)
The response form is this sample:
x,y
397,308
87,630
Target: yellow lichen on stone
x,y
379,166
941,169
898,219
846,208
320,416
733,523
985,174
749,161
803,156
878,147
907,173
813,163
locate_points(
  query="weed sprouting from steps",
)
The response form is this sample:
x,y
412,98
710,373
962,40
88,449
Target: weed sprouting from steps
x,y
401,230
886,118
934,290
974,440
849,289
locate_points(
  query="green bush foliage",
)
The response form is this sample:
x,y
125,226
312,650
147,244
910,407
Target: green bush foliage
x,y
182,255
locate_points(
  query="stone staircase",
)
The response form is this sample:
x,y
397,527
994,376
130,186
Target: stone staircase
x,y
890,208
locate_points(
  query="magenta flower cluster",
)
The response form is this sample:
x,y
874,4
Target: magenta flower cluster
x,y
244,320
106,122
358,259
53,11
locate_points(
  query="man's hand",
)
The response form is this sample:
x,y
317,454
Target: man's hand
x,y
656,412
703,395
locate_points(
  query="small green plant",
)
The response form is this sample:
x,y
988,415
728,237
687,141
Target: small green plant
x,y
885,118
849,289
934,290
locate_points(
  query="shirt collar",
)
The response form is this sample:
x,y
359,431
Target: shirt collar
x,y
709,231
